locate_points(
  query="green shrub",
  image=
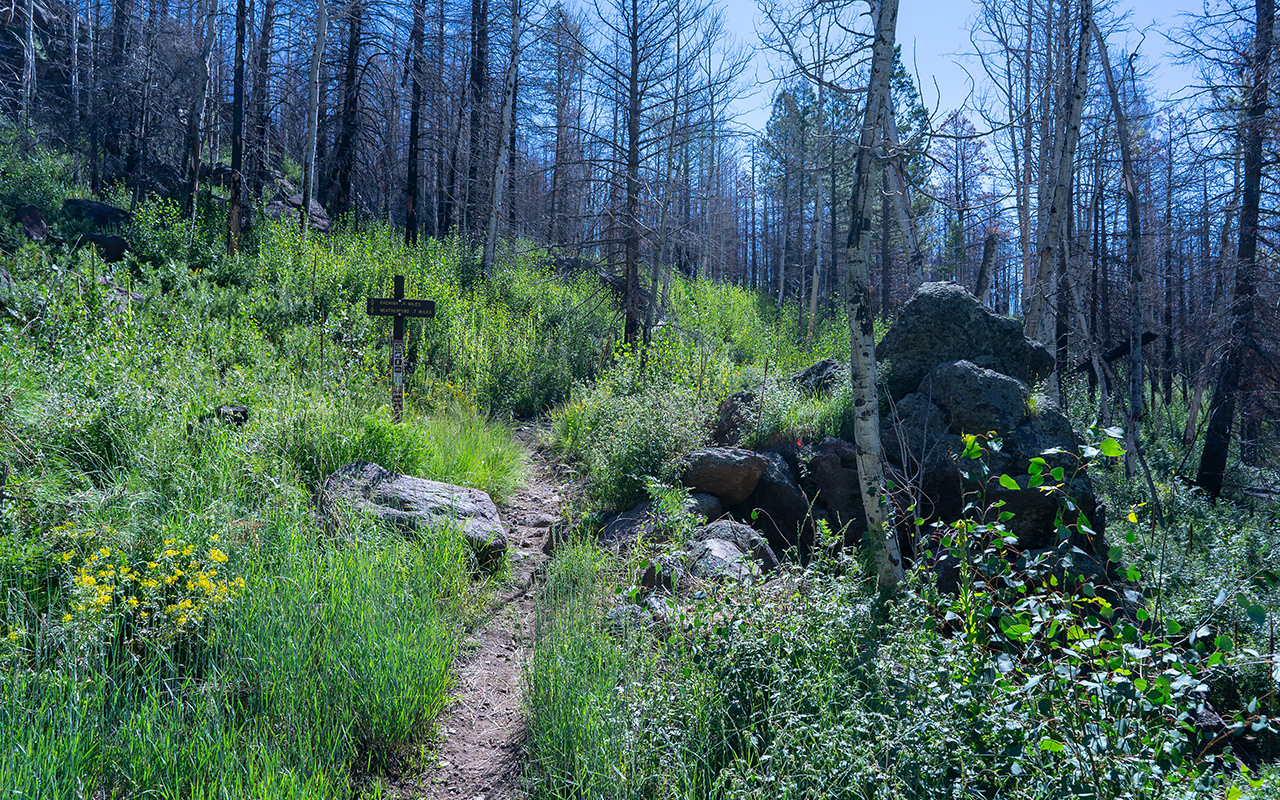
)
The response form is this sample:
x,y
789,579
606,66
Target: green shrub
x,y
624,440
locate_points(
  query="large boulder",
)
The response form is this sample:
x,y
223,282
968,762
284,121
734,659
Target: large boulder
x,y
729,473
416,504
833,469
916,439
32,222
290,207
111,248
718,559
618,532
744,537
734,416
818,377
779,507
977,400
100,215
942,322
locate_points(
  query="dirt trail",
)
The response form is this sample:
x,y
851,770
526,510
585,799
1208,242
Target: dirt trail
x,y
479,755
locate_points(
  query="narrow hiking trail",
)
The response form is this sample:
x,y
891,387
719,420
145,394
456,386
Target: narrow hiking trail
x,y
479,752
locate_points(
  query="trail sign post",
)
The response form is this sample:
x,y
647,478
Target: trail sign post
x,y
398,307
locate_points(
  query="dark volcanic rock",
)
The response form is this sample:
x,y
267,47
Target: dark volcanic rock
x,y
977,400
100,215
734,416
783,508
289,209
819,376
111,248
32,222
706,506
416,503
833,469
746,538
942,322
729,473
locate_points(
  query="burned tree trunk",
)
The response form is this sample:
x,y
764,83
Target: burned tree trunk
x,y
1217,440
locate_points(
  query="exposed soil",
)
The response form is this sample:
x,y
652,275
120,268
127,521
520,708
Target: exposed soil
x,y
479,753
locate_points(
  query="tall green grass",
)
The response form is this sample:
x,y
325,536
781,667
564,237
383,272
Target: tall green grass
x,y
177,620
329,660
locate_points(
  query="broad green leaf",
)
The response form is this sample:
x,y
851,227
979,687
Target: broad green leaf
x,y
1052,745
1009,483
1111,448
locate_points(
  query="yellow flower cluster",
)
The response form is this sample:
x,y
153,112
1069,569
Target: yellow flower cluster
x,y
162,597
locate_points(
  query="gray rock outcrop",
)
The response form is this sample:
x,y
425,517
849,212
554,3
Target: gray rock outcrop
x,y
289,208
818,377
719,559
744,537
415,504
942,322
978,400
779,507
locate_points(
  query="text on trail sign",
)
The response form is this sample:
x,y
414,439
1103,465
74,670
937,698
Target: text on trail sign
x,y
398,308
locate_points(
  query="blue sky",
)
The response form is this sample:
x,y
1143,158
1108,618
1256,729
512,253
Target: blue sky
x,y
934,35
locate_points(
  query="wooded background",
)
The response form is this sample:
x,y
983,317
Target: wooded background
x,y
1063,192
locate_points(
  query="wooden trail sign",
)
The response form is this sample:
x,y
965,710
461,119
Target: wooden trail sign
x,y
398,307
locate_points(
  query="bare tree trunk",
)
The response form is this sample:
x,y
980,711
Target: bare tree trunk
x,y
258,152
817,216
478,86
880,537
982,287
631,237
1167,366
412,200
886,259
902,204
1217,439
1133,253
504,135
313,117
1215,313
196,112
237,135
75,73
28,69
340,199
1038,316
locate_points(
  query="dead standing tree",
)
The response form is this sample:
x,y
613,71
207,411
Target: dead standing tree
x,y
1213,459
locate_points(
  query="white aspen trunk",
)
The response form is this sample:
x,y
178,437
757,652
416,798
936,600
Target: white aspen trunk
x,y
1039,322
880,537
504,137
313,119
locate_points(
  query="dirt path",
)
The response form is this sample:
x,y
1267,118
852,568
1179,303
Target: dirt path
x,y
479,755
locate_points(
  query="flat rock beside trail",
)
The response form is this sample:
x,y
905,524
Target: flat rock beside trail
x,y
412,503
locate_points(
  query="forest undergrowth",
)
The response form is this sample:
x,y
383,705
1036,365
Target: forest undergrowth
x,y
179,622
